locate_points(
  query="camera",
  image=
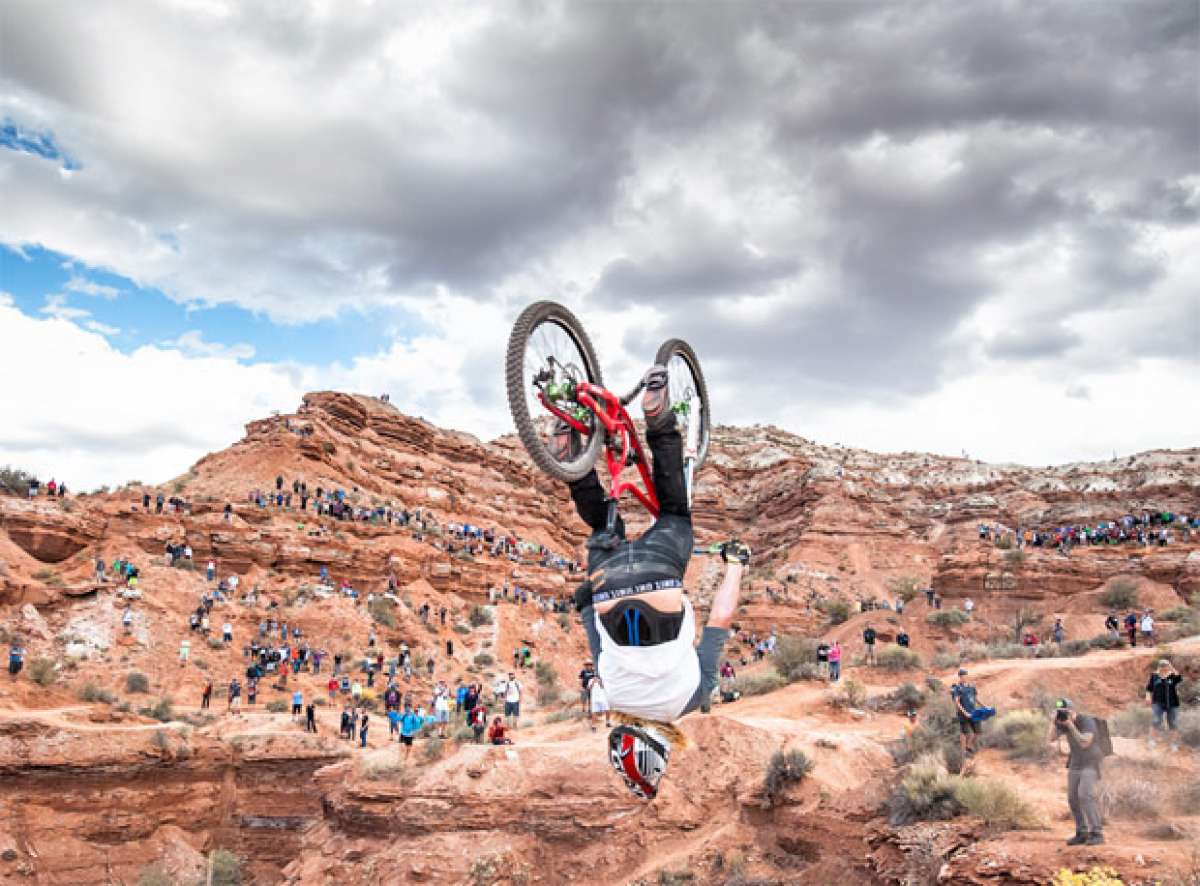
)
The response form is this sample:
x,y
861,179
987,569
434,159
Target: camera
x,y
1062,715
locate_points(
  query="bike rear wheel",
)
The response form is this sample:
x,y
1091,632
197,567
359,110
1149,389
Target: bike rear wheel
x,y
549,351
688,399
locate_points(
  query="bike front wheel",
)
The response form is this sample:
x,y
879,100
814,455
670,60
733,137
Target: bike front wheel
x,y
549,355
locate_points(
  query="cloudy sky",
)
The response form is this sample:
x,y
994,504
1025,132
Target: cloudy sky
x,y
921,225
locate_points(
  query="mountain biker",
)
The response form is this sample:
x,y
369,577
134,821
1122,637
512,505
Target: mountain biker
x,y
640,625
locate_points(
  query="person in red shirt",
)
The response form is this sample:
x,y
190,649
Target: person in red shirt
x,y
496,732
332,686
478,720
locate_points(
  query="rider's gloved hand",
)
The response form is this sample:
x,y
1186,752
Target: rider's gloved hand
x,y
735,551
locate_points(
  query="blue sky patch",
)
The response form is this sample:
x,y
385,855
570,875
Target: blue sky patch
x,y
42,144
47,283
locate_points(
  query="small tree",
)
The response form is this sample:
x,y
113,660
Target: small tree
x,y
905,587
478,617
838,611
784,769
382,610
1025,617
136,681
1120,593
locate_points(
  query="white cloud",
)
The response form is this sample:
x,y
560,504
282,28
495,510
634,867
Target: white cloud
x,y
56,306
102,328
90,287
193,344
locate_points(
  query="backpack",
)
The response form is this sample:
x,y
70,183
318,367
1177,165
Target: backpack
x,y
1103,740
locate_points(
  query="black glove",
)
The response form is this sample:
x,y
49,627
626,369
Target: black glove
x,y
583,595
735,551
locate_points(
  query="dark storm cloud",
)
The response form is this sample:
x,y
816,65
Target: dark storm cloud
x,y
873,161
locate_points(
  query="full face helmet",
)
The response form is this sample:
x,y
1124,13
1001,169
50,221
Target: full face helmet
x,y
639,754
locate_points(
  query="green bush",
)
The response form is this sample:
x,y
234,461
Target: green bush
x,y
478,617
383,611
905,587
136,681
761,683
433,749
1074,648
926,793
905,697
162,710
42,672
1120,593
897,658
948,618
785,768
483,659
226,868
461,629
837,611
1000,807
1133,722
849,694
796,658
547,676
92,692
1022,733
14,481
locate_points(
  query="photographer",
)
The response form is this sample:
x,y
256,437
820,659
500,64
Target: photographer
x,y
1083,771
965,699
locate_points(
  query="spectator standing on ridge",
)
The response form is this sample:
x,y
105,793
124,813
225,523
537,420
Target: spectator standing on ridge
x,y
362,730
1057,632
1131,628
410,725
235,696
968,605
585,684
1112,626
1148,627
16,658
835,662
206,695
185,649
869,643
310,718
1162,691
297,704
512,700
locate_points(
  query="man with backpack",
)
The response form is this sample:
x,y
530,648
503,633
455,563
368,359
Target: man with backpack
x,y
869,642
965,698
1089,743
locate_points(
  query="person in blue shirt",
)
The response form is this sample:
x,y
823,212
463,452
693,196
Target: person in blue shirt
x,y
393,716
410,724
460,696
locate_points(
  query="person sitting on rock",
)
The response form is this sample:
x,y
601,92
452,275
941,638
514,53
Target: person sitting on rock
x,y
639,623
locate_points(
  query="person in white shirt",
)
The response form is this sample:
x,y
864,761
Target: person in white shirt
x,y
512,700
969,605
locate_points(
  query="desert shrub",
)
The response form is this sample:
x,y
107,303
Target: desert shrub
x,y
1014,559
278,706
461,629
1008,650
383,611
463,733
905,587
1022,733
433,749
483,659
478,617
837,611
849,694
162,710
761,683
564,621
1123,794
1074,648
785,768
926,793
226,868
1133,722
42,672
563,716
897,658
14,481
153,875
1105,641
136,681
1177,613
933,684
1000,806
547,676
1187,794
904,697
795,658
1120,593
92,692
936,733
159,740
388,769
944,660
948,618
1189,728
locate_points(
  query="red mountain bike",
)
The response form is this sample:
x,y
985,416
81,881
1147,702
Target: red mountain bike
x,y
552,374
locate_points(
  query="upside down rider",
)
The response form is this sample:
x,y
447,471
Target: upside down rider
x,y
640,624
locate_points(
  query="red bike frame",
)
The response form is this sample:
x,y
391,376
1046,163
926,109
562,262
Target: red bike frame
x,y
622,440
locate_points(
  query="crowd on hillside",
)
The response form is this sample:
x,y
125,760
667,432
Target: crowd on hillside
x,y
54,489
1147,528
